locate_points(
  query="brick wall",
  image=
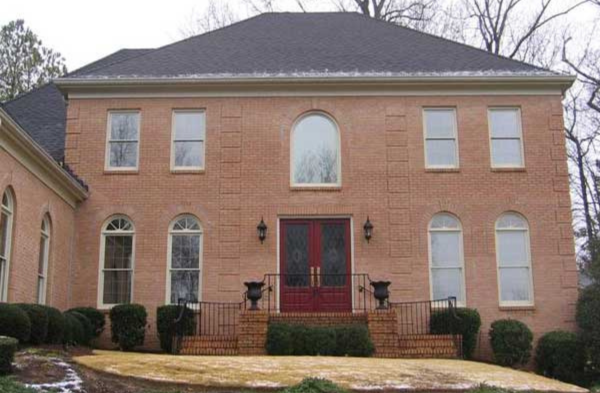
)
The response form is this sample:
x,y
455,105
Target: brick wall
x,y
383,176
33,200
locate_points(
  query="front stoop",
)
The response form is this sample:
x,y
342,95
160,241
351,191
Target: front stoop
x,y
438,346
209,345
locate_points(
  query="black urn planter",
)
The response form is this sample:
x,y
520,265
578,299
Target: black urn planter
x,y
381,292
254,293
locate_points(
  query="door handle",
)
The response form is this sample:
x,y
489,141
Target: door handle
x,y
318,276
312,276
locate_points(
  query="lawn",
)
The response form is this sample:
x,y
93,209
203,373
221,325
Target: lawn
x,y
352,373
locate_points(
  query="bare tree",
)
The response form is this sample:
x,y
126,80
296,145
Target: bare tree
x,y
215,16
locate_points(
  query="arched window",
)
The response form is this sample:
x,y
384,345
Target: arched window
x,y
514,260
117,256
43,260
446,260
6,225
184,259
315,154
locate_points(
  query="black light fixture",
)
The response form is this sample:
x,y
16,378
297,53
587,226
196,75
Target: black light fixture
x,y
262,230
368,227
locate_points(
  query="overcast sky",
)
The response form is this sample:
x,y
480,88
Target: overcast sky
x,y
84,31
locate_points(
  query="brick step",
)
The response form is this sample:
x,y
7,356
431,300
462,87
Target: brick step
x,y
209,345
209,352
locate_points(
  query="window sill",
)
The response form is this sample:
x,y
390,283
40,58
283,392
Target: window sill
x,y
515,169
530,307
187,171
316,188
123,172
442,170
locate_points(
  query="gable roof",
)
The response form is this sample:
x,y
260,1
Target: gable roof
x,y
310,44
42,112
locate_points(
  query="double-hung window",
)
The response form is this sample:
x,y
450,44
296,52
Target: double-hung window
x,y
441,145
116,261
122,145
185,259
43,260
189,133
6,224
506,139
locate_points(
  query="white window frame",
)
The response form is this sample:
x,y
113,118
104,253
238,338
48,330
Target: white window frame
x,y
491,138
338,184
461,256
45,235
170,254
455,138
101,269
107,166
8,210
529,265
175,168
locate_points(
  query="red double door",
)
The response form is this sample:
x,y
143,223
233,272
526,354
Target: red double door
x,y
315,265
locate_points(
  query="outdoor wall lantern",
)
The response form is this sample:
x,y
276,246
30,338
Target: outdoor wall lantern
x,y
262,230
368,227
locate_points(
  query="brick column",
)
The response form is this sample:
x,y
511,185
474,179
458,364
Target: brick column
x,y
383,329
252,335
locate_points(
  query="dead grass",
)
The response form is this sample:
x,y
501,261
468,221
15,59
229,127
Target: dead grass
x,y
352,373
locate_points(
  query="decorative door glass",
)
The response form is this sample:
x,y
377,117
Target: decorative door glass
x,y
333,254
297,255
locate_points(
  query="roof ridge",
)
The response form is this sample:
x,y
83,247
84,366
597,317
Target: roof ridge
x,y
452,41
153,50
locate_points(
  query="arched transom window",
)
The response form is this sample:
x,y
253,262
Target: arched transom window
x,y
446,260
315,152
117,258
514,260
43,260
184,259
6,221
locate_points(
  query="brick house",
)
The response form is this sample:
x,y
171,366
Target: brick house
x,y
312,124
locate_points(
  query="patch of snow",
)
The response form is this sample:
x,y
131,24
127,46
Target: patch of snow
x,y
72,382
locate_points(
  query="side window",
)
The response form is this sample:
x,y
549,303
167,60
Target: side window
x,y
44,256
116,261
188,134
506,140
122,141
514,260
185,259
6,226
446,259
441,144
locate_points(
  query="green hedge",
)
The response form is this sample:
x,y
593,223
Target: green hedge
x,y
463,321
56,325
95,316
588,320
128,325
38,316
315,385
560,355
87,331
8,347
165,316
74,333
14,322
300,340
511,342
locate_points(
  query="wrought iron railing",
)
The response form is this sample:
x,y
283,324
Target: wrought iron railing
x,y
414,318
307,292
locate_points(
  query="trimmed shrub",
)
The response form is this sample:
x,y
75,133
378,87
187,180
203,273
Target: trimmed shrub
x,y
560,355
56,325
511,342
300,340
8,347
353,340
38,316
165,318
588,320
87,328
128,325
95,316
74,331
315,385
14,322
464,321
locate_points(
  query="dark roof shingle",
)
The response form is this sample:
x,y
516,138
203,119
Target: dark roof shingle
x,y
310,43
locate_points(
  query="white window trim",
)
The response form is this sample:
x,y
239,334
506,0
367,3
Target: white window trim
x,y
170,250
520,130
460,255
47,236
101,304
455,134
10,214
107,166
502,303
175,168
338,184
